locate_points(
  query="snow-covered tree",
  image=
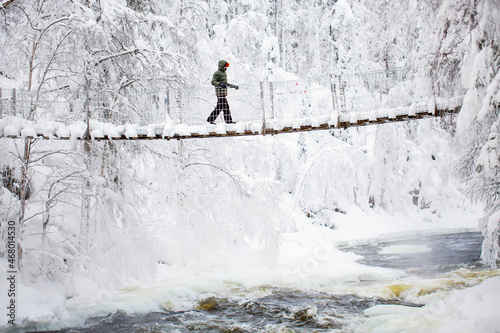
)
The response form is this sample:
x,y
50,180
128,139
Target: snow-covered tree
x,y
471,31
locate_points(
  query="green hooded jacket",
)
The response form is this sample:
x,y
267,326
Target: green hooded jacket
x,y
220,76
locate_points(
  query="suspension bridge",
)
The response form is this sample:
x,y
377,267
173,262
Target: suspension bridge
x,y
333,102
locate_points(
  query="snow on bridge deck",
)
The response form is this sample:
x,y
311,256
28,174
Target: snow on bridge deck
x,y
14,127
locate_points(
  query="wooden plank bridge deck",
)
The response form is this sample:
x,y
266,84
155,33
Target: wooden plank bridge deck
x,y
106,131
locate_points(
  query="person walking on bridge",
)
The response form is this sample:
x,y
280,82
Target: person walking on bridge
x,y
219,81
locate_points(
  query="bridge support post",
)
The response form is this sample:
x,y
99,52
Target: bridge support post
x,y
86,135
334,119
263,108
167,104
333,91
271,92
14,101
342,95
178,100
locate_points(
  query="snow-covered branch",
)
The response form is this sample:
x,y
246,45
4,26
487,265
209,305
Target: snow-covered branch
x,y
6,3
117,55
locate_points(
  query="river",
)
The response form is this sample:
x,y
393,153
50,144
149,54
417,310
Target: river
x,y
434,265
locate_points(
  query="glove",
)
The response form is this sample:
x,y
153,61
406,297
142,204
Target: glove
x,y
222,85
236,87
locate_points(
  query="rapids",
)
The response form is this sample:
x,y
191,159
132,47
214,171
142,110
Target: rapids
x,y
434,266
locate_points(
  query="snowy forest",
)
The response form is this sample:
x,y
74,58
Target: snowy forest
x,y
95,216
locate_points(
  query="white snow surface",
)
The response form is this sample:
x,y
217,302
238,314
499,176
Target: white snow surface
x,y
470,310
